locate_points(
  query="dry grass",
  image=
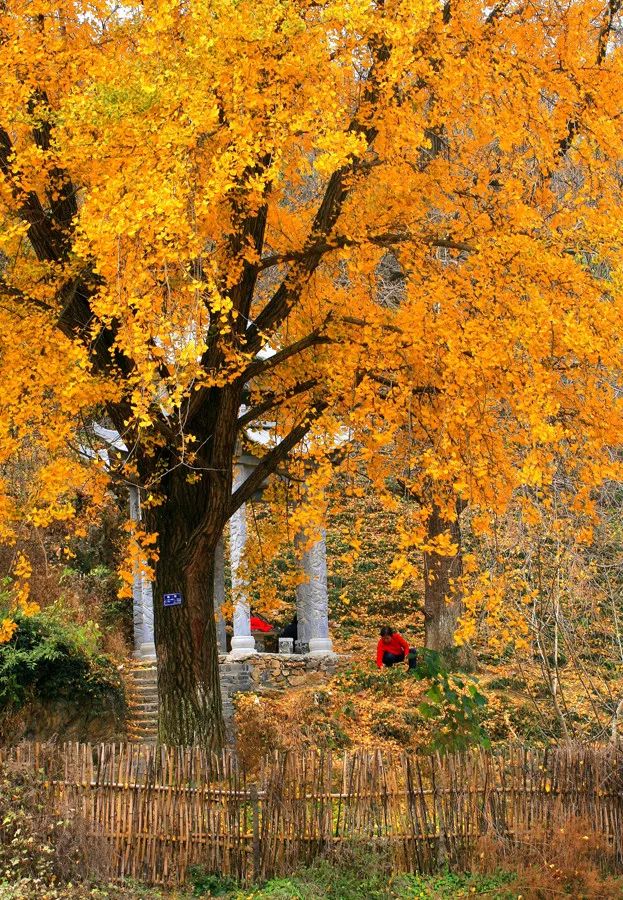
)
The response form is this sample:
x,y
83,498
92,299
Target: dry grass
x,y
39,846
570,862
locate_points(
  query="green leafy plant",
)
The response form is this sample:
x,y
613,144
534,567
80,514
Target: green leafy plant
x,y
454,702
364,873
387,725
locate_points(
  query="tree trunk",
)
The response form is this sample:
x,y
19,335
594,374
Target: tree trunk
x,y
190,710
442,599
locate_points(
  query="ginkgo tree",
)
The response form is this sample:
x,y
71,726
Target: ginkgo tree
x,y
197,199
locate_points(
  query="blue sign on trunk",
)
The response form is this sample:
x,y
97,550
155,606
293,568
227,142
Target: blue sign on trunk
x,y
172,600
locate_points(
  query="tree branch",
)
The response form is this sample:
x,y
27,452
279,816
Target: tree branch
x,y
260,366
41,233
389,239
613,8
336,193
268,464
361,323
61,196
272,400
497,11
426,389
573,125
14,293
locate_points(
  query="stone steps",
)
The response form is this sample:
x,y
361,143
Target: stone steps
x,y
142,697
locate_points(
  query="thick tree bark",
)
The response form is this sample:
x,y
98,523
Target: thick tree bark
x,y
442,596
186,642
188,676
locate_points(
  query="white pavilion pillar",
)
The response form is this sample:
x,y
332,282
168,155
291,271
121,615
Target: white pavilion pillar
x,y
312,595
242,642
219,595
315,568
142,596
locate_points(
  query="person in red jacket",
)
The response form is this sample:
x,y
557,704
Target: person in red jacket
x,y
392,648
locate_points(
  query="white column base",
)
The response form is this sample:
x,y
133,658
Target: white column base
x,y
145,651
320,646
242,645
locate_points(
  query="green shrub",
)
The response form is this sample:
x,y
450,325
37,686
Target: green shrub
x,y
358,678
453,701
364,873
387,724
97,588
207,884
452,885
49,658
332,735
506,683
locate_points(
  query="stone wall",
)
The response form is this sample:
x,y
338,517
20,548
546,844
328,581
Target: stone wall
x,y
275,671
67,719
268,672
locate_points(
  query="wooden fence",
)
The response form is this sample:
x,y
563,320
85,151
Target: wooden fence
x,y
161,810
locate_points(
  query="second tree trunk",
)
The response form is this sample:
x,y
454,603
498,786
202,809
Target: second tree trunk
x,y
442,591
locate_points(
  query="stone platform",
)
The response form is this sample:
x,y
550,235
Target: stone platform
x,y
257,672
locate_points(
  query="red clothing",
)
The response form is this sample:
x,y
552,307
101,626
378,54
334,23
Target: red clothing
x,y
396,644
258,624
